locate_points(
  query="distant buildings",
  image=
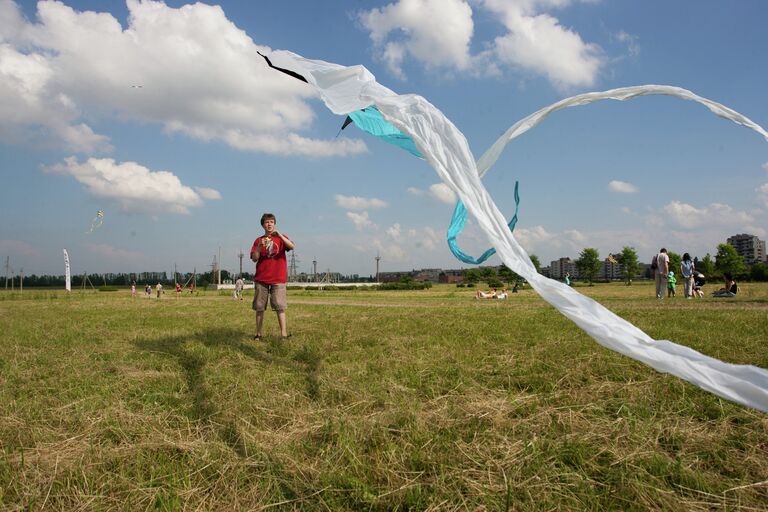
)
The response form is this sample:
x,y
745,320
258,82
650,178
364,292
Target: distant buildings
x,y
558,268
751,248
611,269
451,276
394,277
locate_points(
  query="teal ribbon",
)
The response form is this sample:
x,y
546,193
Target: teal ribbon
x,y
458,221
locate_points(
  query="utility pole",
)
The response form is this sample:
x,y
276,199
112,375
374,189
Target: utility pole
x,y
219,268
7,271
292,268
241,262
378,258
21,282
314,270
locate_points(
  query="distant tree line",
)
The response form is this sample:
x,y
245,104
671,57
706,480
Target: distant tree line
x,y
77,280
727,260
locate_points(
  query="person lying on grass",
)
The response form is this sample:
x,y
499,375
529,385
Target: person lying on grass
x,y
490,294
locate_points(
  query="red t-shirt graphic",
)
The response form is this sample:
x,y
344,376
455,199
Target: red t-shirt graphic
x,y
272,267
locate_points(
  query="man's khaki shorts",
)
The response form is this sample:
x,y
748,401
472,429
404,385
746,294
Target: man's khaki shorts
x,y
275,293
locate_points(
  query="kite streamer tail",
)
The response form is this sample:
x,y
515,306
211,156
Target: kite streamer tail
x,y
621,94
346,89
447,151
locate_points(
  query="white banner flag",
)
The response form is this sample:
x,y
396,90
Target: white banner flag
x,y
67,277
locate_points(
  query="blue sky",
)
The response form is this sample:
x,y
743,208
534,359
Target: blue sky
x,y
186,163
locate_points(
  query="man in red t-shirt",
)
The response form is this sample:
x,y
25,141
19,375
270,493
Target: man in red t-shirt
x,y
268,252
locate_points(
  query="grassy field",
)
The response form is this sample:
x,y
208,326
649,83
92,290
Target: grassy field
x,y
421,400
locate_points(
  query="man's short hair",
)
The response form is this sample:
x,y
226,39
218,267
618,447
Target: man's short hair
x,y
664,250
266,217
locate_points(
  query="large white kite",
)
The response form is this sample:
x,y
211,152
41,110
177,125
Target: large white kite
x,y
346,90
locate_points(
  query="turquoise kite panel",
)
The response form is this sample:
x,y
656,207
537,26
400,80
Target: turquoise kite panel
x,y
371,121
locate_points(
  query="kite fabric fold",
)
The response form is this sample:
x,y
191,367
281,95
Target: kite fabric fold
x,y
347,89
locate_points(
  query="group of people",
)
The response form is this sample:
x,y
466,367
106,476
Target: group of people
x,y
158,289
693,281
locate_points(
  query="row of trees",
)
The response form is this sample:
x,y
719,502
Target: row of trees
x,y
41,281
727,260
496,276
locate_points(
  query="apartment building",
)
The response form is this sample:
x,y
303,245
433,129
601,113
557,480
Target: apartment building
x,y
558,268
751,248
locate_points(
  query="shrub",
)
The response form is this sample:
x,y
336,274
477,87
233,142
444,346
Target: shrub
x,y
405,286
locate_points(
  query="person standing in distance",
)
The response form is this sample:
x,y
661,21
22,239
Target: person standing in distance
x,y
268,252
660,264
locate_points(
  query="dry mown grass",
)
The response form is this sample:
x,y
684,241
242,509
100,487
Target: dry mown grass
x,y
108,403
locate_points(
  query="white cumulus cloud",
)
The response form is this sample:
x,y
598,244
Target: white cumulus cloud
x,y
394,230
536,42
428,239
358,203
633,48
399,244
442,193
134,187
34,110
188,69
208,193
435,32
548,244
716,214
360,220
622,187
438,35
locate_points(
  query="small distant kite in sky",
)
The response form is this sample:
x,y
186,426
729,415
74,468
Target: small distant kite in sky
x,y
136,86
96,222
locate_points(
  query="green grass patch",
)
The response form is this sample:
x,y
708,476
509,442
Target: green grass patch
x,y
381,400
